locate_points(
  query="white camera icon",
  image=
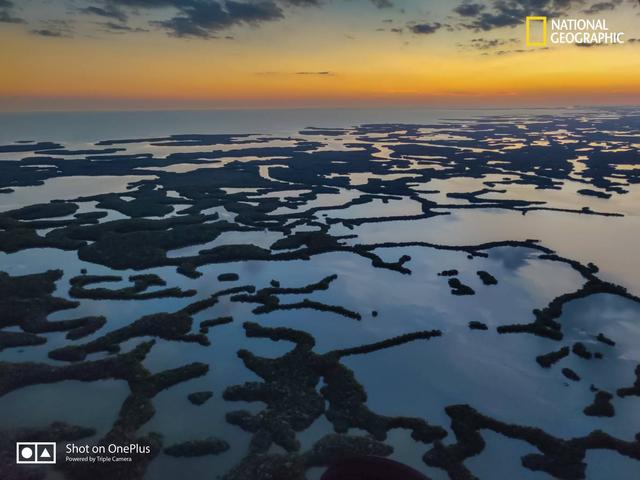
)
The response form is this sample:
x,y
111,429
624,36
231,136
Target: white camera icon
x,y
35,453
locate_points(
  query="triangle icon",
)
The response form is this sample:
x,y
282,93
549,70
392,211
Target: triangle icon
x,y
45,454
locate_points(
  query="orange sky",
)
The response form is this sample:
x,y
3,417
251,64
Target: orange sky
x,y
343,63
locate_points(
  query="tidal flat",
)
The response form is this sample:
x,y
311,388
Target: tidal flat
x,y
460,294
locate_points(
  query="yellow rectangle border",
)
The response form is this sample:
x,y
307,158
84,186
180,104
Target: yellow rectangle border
x,y
543,43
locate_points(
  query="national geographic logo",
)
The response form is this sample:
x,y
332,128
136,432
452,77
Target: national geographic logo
x,y
539,39
567,31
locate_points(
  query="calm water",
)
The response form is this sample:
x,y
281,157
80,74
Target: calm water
x,y
496,374
94,126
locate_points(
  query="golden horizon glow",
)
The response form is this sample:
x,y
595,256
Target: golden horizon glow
x,y
298,68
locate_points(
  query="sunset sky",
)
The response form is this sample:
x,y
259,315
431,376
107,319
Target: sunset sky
x,y
174,54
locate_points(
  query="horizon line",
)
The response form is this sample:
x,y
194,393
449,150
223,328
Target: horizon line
x,y
322,108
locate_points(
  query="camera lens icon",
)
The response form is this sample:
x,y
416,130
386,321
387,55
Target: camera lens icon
x,y
35,452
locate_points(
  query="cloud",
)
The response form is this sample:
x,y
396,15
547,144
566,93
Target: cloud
x,y
46,32
382,3
425,28
489,43
114,27
204,18
601,7
519,50
467,9
110,11
253,12
302,3
6,12
54,29
509,13
146,3
178,18
302,72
